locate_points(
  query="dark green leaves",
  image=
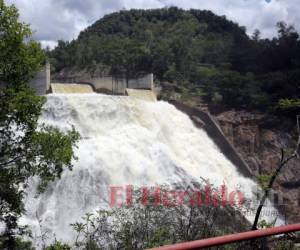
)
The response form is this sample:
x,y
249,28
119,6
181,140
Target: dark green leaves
x,y
25,149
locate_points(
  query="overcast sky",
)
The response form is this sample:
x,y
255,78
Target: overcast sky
x,y
64,19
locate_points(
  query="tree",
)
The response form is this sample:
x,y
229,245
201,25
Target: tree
x,y
269,180
143,226
26,149
287,49
19,60
256,35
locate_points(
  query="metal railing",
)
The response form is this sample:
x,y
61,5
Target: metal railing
x,y
231,238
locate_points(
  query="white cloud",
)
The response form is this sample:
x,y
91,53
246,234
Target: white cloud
x,y
253,14
48,44
64,19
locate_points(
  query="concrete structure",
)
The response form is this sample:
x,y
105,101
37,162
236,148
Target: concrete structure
x,y
143,94
64,88
113,85
41,83
206,121
107,84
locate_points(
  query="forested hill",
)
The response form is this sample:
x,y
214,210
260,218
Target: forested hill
x,y
195,53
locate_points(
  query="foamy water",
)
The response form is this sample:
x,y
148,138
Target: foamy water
x,y
124,141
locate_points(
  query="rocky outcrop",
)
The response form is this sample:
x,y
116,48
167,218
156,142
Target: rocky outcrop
x,y
260,146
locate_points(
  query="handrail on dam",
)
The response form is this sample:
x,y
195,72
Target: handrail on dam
x,y
231,238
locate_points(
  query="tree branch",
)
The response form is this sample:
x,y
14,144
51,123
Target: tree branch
x,y
283,162
4,164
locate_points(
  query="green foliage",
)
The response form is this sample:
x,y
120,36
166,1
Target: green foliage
x,y
17,244
264,224
18,59
160,237
193,53
159,41
289,104
145,226
285,244
263,180
55,151
58,246
25,149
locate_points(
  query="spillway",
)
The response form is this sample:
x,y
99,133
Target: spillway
x,y
124,141
69,88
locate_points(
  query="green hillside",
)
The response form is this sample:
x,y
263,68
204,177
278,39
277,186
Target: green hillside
x,y
195,53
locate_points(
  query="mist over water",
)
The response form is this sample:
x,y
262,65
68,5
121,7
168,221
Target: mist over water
x,y
124,141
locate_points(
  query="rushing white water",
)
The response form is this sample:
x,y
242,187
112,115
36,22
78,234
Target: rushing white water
x,y
124,141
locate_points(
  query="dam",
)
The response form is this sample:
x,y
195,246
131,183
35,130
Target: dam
x,y
127,138
124,141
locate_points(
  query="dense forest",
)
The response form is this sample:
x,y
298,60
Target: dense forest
x,y
195,54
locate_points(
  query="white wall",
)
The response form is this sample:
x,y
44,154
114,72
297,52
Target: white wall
x,y
41,83
119,85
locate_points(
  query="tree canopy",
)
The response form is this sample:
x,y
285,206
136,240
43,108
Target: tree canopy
x,y
191,52
26,149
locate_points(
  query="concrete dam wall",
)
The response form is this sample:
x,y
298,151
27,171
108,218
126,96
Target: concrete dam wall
x,y
143,94
40,83
138,88
112,85
61,88
43,83
119,85
206,121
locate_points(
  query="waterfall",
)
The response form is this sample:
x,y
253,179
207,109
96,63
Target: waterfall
x,y
124,141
